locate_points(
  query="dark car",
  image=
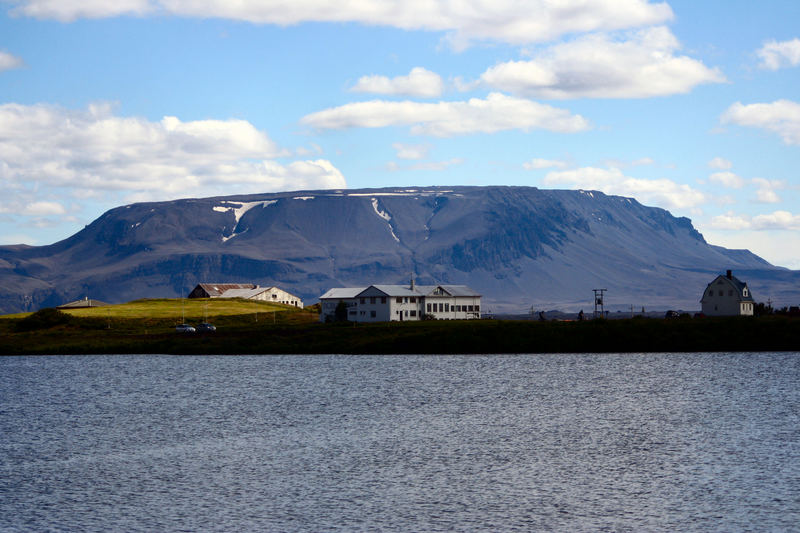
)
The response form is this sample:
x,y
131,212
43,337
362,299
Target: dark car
x,y
205,327
184,328
672,314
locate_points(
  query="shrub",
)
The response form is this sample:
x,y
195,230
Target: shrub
x,y
43,319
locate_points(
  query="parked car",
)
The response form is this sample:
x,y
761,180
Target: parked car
x,y
672,314
206,327
184,328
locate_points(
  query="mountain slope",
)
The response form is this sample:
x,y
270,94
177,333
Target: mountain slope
x,y
518,246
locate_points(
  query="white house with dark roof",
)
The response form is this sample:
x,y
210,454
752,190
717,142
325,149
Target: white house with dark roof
x,y
387,303
727,296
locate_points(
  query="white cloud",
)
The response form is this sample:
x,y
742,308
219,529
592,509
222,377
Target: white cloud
x,y
660,192
777,220
511,21
537,163
496,113
642,65
90,151
419,82
69,10
720,163
8,61
44,208
766,190
775,55
781,117
727,179
411,151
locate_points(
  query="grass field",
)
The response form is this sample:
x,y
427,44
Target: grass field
x,y
247,327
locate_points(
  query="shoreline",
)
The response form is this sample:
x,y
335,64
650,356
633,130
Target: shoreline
x,y
637,335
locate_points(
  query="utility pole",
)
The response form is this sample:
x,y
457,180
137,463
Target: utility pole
x,y
598,302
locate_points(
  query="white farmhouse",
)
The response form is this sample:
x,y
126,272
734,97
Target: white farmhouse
x,y
727,296
247,291
386,303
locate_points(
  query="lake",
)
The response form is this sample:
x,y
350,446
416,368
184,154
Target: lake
x,y
594,442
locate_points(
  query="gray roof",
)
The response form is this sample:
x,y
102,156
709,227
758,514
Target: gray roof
x,y
736,284
400,291
243,293
342,292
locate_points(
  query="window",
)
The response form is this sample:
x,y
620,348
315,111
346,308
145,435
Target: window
x,y
441,308
477,308
373,314
744,292
446,308
413,299
372,300
413,312
429,308
383,299
363,300
399,300
458,309
405,300
406,313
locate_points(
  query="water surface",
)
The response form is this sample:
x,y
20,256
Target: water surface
x,y
670,442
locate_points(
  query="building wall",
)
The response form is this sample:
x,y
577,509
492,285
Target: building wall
x,y
374,306
276,295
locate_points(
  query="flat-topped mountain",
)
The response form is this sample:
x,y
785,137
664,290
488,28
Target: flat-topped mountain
x,y
520,247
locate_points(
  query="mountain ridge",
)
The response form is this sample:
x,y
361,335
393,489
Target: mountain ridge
x,y
521,247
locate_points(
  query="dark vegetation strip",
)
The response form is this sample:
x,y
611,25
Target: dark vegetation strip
x,y
299,334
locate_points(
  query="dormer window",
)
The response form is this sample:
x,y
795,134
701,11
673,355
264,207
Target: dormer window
x,y
744,292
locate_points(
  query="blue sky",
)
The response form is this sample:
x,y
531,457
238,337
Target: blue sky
x,y
690,106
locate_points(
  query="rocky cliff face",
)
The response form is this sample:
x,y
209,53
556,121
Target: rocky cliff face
x,y
518,246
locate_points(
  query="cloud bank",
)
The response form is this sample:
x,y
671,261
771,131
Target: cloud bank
x,y
510,21
661,192
642,65
497,112
92,151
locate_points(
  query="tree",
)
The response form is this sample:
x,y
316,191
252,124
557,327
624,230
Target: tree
x,y
341,311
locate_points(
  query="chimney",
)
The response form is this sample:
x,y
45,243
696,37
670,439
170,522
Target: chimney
x,y
729,274
412,282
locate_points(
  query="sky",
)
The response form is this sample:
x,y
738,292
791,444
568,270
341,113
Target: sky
x,y
690,106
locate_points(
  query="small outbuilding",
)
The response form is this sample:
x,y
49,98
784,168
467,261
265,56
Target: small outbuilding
x,y
727,296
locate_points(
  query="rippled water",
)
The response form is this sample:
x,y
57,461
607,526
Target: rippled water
x,y
678,442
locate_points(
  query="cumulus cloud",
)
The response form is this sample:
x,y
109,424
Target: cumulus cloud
x,y
419,82
497,112
641,65
660,192
781,117
8,61
777,220
464,21
727,179
720,163
93,150
775,55
766,192
537,163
